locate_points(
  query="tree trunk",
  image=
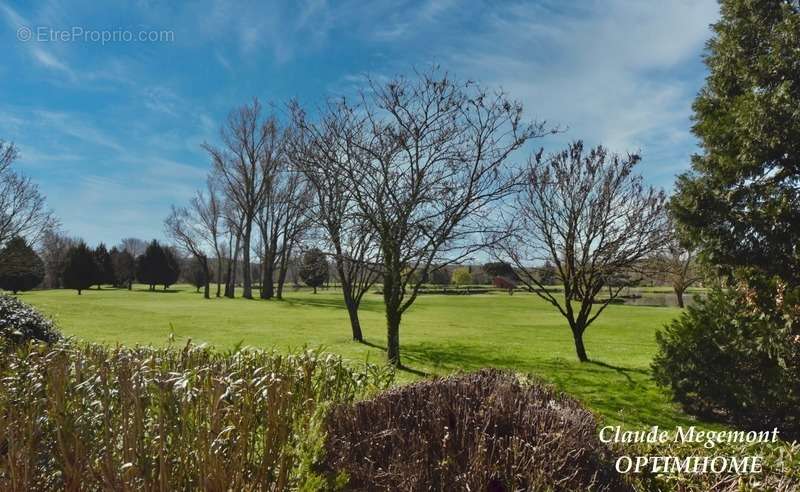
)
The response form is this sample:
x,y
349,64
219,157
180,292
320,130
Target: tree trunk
x,y
230,287
219,273
130,285
79,291
577,335
283,269
267,289
679,296
393,336
207,290
355,324
247,277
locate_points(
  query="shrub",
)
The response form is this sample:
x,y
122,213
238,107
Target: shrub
x,y
462,277
20,323
727,359
483,431
780,464
314,268
90,417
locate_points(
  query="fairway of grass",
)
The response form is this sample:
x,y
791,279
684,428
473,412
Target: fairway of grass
x,y
439,334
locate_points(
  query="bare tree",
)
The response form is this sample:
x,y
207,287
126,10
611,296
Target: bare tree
x,y
53,249
8,154
430,164
233,222
280,221
23,211
250,148
677,263
185,227
133,245
594,220
208,209
320,151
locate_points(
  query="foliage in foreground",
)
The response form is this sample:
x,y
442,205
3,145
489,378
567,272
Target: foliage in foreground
x,y
780,468
91,417
20,323
482,431
736,357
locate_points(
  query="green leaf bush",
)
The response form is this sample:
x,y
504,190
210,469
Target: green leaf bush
x,y
735,357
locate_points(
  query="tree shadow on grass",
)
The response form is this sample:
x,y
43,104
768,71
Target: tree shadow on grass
x,y
167,291
621,395
332,303
403,367
624,371
449,357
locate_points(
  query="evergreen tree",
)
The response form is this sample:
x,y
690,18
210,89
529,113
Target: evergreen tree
x,y
172,272
105,268
21,269
80,270
740,202
157,266
314,268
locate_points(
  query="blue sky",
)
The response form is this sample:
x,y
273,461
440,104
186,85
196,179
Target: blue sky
x,y
112,131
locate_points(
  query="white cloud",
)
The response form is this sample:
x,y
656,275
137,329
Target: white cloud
x,y
607,70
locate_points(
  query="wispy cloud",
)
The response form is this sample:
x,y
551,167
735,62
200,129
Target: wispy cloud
x,y
40,55
604,69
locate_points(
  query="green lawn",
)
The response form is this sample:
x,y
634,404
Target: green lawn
x,y
440,334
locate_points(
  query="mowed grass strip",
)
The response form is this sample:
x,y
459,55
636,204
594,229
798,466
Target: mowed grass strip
x,y
440,334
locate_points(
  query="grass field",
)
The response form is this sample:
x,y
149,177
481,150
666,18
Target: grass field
x,y
439,335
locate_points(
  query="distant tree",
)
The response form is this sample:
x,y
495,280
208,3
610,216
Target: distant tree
x,y
676,262
548,274
173,271
462,277
21,269
53,249
105,268
208,210
500,269
157,266
439,276
124,266
594,219
314,269
197,274
80,269
252,144
133,245
185,227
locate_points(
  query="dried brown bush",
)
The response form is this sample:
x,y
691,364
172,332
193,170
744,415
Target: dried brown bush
x,y
482,431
